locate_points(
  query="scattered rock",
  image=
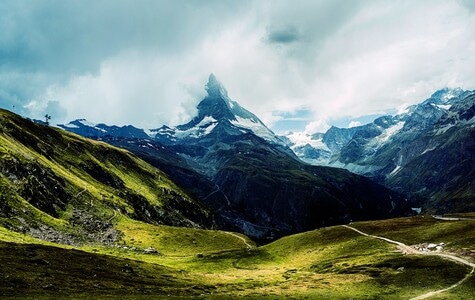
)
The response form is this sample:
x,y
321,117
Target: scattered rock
x,y
150,250
47,233
400,269
50,287
127,269
40,261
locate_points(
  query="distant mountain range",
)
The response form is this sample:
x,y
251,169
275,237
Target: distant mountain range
x,y
426,151
222,155
228,159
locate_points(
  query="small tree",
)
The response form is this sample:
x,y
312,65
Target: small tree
x,y
47,118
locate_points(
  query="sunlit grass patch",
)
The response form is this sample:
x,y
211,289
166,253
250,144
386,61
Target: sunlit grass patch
x,y
177,241
423,229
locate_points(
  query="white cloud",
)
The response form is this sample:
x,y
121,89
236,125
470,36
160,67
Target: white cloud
x,y
316,126
131,89
338,59
354,124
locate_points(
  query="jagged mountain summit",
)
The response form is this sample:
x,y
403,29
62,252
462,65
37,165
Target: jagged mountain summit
x,y
217,113
413,119
227,158
394,149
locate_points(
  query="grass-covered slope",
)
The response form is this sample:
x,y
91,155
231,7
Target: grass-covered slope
x,y
329,263
61,187
273,190
82,219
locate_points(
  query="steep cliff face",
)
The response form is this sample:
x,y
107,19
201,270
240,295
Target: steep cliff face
x,y
442,159
425,151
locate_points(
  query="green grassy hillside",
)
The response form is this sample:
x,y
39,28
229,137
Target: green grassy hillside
x,y
60,187
329,263
82,219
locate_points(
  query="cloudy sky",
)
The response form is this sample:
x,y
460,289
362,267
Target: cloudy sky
x,y
298,65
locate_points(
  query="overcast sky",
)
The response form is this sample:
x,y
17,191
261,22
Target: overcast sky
x,y
298,65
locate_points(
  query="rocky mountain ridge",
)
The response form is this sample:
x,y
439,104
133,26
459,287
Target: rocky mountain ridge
x,y
60,187
391,149
232,162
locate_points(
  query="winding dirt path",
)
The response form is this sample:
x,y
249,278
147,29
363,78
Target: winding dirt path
x,y
408,249
249,246
401,246
430,294
218,190
452,218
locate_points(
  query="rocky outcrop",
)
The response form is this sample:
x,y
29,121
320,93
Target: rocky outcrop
x,y
425,151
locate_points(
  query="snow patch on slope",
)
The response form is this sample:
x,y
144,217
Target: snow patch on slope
x,y
201,129
389,132
69,125
386,135
87,123
428,150
150,132
445,107
83,123
395,171
258,128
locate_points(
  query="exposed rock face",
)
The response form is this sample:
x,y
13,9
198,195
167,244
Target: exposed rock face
x,y
218,117
442,160
38,185
335,138
425,151
311,153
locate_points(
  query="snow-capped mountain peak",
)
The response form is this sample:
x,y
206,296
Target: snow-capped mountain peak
x,y
215,88
218,104
446,96
217,108
376,142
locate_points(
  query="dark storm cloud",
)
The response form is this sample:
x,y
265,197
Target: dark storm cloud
x,y
469,4
45,45
75,36
283,35
146,62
